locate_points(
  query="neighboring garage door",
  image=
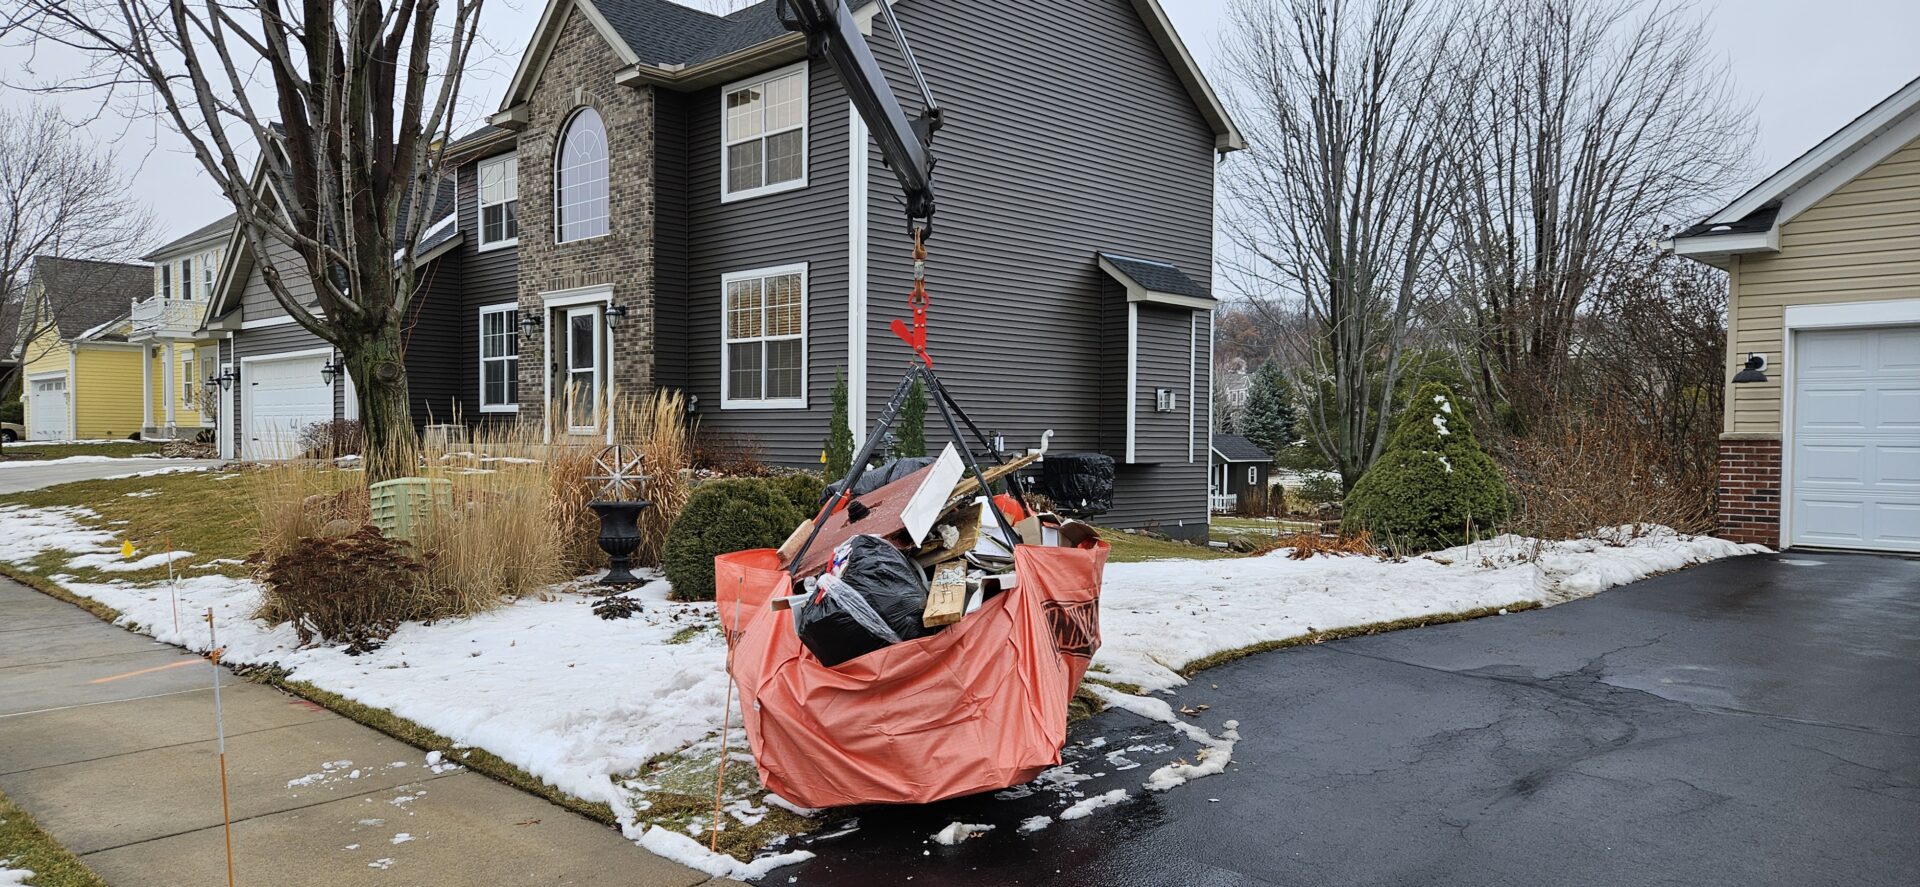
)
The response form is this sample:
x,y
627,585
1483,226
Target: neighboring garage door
x,y
284,396
1856,439
48,409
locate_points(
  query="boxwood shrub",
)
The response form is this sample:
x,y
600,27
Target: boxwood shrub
x,y
722,517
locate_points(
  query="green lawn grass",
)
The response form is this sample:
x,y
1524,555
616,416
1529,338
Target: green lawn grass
x,y
193,511
24,846
35,452
1130,548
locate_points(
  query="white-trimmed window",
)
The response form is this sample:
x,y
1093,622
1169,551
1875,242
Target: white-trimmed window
x,y
1253,475
164,275
764,123
499,202
500,359
208,273
580,179
764,324
186,279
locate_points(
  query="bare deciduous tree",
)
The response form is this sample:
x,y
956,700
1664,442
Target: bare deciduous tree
x,y
59,196
1589,125
1334,208
323,124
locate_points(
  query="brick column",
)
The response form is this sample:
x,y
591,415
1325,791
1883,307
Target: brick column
x,y
1749,492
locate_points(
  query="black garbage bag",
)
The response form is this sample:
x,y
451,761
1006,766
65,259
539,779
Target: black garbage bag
x,y
1080,484
877,477
873,597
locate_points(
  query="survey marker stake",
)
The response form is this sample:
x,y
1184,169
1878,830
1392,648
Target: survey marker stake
x,y
220,732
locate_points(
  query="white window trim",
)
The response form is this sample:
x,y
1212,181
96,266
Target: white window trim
x,y
481,319
480,205
597,314
727,402
597,294
560,145
727,194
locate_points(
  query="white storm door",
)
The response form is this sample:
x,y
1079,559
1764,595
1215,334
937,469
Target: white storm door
x,y
582,372
1856,439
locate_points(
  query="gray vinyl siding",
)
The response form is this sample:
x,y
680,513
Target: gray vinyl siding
x,y
265,342
485,278
806,225
670,168
1165,361
439,376
1068,134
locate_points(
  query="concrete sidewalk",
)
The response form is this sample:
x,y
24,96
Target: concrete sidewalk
x,y
106,737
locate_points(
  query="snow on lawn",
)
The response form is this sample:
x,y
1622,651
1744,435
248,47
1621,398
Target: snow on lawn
x,y
583,702
1158,616
10,876
72,460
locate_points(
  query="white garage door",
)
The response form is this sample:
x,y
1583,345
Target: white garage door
x,y
1856,439
284,396
48,409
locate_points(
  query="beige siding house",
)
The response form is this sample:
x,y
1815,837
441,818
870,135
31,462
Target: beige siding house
x,y
1821,443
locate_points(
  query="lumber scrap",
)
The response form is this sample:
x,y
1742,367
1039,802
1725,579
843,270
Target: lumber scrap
x,y
969,487
947,598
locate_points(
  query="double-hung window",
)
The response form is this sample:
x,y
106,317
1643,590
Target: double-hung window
x,y
164,272
186,279
765,123
207,273
764,363
500,359
499,202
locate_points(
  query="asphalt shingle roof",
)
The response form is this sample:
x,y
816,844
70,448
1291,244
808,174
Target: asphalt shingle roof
x,y
222,224
661,32
1235,448
1757,221
1157,276
86,294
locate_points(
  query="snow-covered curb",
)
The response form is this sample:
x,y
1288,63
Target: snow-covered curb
x,y
72,460
583,702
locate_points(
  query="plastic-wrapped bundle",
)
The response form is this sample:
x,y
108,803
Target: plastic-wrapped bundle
x,y
878,477
873,597
1080,484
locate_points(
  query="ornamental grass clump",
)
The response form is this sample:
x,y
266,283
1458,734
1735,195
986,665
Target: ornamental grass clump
x,y
1433,487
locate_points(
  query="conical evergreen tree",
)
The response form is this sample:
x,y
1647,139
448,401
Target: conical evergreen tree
x,y
1269,417
839,449
912,424
1432,483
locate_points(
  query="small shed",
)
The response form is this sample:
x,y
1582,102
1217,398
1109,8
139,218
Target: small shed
x,y
1240,469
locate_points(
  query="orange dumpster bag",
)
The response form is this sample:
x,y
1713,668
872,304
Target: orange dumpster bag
x,y
978,707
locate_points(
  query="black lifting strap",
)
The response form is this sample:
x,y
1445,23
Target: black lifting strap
x,y
890,415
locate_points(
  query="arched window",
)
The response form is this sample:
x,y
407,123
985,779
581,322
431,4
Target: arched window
x,y
580,179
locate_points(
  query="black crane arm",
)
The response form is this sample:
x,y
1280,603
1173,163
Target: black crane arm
x,y
906,143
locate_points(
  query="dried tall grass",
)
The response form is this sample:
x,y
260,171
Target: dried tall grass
x,y
1603,470
668,458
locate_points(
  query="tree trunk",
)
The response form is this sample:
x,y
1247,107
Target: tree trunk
x,y
376,363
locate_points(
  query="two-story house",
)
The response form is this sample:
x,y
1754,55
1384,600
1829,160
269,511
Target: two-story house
x,y
81,373
175,354
673,199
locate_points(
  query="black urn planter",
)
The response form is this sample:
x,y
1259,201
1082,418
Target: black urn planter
x,y
619,537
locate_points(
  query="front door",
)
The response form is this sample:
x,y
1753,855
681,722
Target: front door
x,y
583,376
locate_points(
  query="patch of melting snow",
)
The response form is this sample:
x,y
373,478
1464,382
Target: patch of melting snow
x,y
401,838
1085,808
959,832
1034,823
694,855
383,863
787,805
1795,562
839,831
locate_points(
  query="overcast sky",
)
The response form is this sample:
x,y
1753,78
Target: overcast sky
x,y
1808,67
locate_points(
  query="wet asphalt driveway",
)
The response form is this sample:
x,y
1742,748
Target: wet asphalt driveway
x,y
1754,721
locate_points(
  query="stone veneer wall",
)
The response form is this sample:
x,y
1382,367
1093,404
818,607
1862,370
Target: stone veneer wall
x,y
580,74
1750,491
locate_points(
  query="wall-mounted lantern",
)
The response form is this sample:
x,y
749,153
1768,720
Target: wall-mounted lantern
x,y
224,381
332,369
529,326
615,314
1755,370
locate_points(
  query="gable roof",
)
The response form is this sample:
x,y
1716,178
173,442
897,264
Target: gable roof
x,y
88,296
680,47
1752,222
1236,448
211,231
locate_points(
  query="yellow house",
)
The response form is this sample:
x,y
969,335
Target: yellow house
x,y
176,357
1821,437
82,377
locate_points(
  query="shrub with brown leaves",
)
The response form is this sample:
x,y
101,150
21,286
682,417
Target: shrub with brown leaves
x,y
354,589
1605,469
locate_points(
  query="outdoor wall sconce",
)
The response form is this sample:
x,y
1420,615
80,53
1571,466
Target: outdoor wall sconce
x,y
693,403
615,314
224,381
529,326
1755,370
999,443
332,369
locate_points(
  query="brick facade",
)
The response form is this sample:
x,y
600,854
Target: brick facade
x,y
1749,491
580,73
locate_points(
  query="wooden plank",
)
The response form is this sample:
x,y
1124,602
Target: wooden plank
x,y
970,487
947,599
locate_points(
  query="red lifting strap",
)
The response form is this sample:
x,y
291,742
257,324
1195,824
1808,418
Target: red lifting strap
x,y
915,333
